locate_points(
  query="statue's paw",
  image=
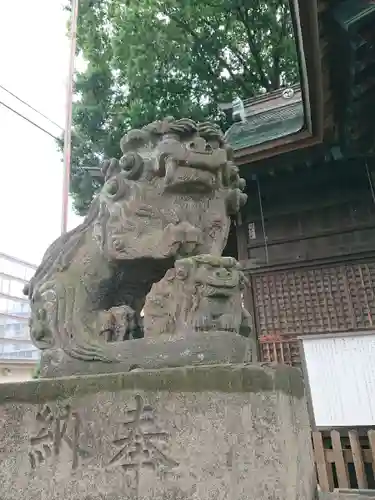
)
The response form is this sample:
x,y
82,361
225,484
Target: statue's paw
x,y
182,239
192,241
227,322
235,200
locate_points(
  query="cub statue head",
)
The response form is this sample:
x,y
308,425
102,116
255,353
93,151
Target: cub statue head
x,y
171,194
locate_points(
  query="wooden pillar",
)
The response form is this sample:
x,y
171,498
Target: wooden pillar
x,y
241,234
244,257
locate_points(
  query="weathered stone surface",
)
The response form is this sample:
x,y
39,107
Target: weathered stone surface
x,y
220,432
169,196
165,351
200,294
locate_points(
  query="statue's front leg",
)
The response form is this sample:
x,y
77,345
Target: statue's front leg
x,y
80,324
247,330
246,326
181,240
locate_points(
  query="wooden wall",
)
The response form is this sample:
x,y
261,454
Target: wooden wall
x,y
315,213
317,269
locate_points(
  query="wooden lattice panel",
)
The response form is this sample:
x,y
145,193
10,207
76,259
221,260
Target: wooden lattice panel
x,y
285,351
300,301
345,461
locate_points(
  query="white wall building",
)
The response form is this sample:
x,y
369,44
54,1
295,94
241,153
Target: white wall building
x,y
18,356
339,371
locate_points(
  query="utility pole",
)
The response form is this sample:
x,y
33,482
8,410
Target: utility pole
x,y
68,119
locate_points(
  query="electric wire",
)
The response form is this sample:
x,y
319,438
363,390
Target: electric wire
x,y
28,120
36,111
31,107
94,171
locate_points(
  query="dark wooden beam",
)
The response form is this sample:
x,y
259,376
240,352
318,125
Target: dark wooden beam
x,y
305,18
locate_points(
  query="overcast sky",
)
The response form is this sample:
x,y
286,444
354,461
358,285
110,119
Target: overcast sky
x,y
34,64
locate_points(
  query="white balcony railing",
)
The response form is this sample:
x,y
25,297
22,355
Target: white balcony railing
x,y
30,355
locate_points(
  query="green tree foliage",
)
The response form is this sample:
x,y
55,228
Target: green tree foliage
x,y
147,59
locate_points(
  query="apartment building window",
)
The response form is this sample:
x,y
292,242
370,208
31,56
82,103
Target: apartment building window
x,y
4,285
16,289
16,269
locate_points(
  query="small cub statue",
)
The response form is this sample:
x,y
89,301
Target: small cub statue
x,y
202,293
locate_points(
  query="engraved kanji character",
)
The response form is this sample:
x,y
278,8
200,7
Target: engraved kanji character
x,y
141,446
53,433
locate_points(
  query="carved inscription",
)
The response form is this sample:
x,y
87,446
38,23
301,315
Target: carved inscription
x,y
142,444
56,429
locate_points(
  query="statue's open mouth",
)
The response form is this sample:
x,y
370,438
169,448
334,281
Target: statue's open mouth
x,y
221,290
188,170
185,179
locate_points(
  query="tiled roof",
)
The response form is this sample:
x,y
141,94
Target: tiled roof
x,y
267,119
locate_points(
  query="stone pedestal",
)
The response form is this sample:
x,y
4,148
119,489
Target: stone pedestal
x,y
165,351
231,432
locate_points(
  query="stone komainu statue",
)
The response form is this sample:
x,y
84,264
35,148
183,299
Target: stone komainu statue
x,y
201,294
170,196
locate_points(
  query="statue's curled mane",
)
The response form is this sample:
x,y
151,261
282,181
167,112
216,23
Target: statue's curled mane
x,y
62,251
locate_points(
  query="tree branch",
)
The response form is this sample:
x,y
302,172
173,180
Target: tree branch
x,y
234,50
244,17
275,72
203,44
276,53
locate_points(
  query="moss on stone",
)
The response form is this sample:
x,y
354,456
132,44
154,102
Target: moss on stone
x,y
214,378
